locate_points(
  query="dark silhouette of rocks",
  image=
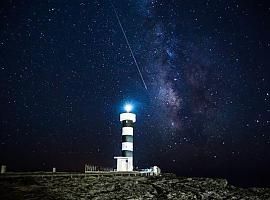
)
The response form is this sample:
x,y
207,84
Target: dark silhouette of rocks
x,y
117,187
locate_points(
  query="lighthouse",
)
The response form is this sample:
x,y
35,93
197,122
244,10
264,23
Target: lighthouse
x,y
127,119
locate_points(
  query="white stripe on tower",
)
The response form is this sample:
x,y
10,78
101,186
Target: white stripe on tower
x,y
127,131
127,146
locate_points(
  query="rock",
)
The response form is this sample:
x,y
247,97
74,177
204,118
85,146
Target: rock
x,y
132,188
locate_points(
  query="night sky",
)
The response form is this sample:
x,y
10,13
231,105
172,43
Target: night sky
x,y
66,71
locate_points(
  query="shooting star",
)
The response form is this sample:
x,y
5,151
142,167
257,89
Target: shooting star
x,y
131,51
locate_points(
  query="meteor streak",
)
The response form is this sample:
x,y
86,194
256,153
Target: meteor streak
x,y
131,51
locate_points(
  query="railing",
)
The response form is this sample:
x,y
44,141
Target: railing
x,y
94,168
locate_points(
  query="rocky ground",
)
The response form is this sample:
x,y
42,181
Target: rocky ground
x,y
102,188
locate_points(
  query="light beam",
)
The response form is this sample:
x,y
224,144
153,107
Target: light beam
x,y
128,107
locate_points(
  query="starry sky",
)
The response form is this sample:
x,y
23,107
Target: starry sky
x,y
66,71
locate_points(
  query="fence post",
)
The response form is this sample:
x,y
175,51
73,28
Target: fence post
x,y
3,169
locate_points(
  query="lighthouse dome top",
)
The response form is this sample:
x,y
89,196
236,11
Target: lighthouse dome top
x,y
128,108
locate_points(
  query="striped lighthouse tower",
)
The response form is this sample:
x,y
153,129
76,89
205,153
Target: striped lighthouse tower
x,y
127,119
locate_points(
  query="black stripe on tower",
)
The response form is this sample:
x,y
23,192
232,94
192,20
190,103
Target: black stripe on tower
x,y
127,138
127,123
126,153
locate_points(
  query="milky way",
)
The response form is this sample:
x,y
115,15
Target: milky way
x,y
171,73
